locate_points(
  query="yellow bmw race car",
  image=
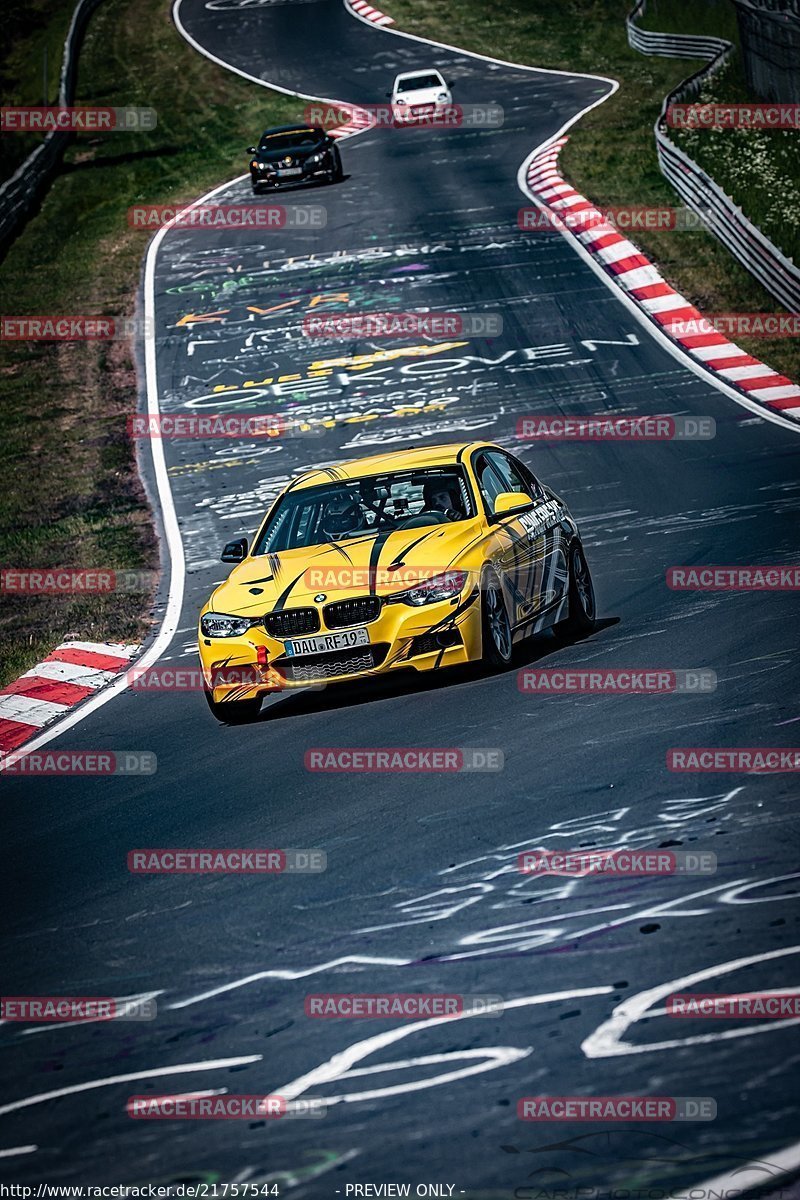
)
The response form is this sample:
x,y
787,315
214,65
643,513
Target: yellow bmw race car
x,y
418,559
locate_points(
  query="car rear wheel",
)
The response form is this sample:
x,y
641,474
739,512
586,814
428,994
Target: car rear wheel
x,y
495,626
337,174
582,607
233,712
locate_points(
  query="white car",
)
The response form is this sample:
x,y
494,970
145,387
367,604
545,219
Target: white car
x,y
419,95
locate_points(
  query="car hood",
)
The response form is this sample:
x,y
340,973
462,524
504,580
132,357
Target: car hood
x,y
422,95
343,569
295,152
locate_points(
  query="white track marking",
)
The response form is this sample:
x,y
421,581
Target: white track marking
x,y
288,974
50,1027
213,1064
339,1065
14,1150
605,1041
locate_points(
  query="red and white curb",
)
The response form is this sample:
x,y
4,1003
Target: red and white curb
x,y
637,276
360,119
362,9
67,677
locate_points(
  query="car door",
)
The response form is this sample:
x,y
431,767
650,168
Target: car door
x,y
526,546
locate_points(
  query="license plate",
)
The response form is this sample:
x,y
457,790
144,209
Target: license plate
x,y
290,171
326,643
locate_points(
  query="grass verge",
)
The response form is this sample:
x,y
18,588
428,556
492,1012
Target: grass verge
x,y
69,492
611,156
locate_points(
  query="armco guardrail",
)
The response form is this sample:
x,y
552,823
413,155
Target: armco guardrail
x,y
777,273
19,193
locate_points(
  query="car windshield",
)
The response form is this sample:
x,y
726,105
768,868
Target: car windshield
x,y
364,508
286,141
419,81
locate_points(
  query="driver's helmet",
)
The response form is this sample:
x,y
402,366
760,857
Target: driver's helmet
x,y
441,495
342,515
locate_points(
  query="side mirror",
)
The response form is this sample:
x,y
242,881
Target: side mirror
x,y
252,149
451,83
509,501
388,95
235,552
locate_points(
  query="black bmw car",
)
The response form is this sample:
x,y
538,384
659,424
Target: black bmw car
x,y
294,154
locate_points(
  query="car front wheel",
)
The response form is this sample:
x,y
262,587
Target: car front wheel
x,y
495,626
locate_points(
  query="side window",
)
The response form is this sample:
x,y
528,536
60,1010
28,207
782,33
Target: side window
x,y
511,475
490,483
536,489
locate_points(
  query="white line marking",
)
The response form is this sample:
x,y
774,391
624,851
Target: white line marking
x,y
605,1041
288,974
213,1064
17,1150
339,1065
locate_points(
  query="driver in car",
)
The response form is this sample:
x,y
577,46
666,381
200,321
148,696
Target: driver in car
x,y
440,496
342,515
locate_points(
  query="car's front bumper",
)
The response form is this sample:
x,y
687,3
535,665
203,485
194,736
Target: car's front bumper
x,y
402,637
307,174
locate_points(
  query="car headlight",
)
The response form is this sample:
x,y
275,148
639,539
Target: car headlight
x,y
263,166
400,100
316,158
220,625
429,591
442,98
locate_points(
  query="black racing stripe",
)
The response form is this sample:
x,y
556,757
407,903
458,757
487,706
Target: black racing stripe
x,y
279,603
462,608
374,559
264,579
398,559
326,546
